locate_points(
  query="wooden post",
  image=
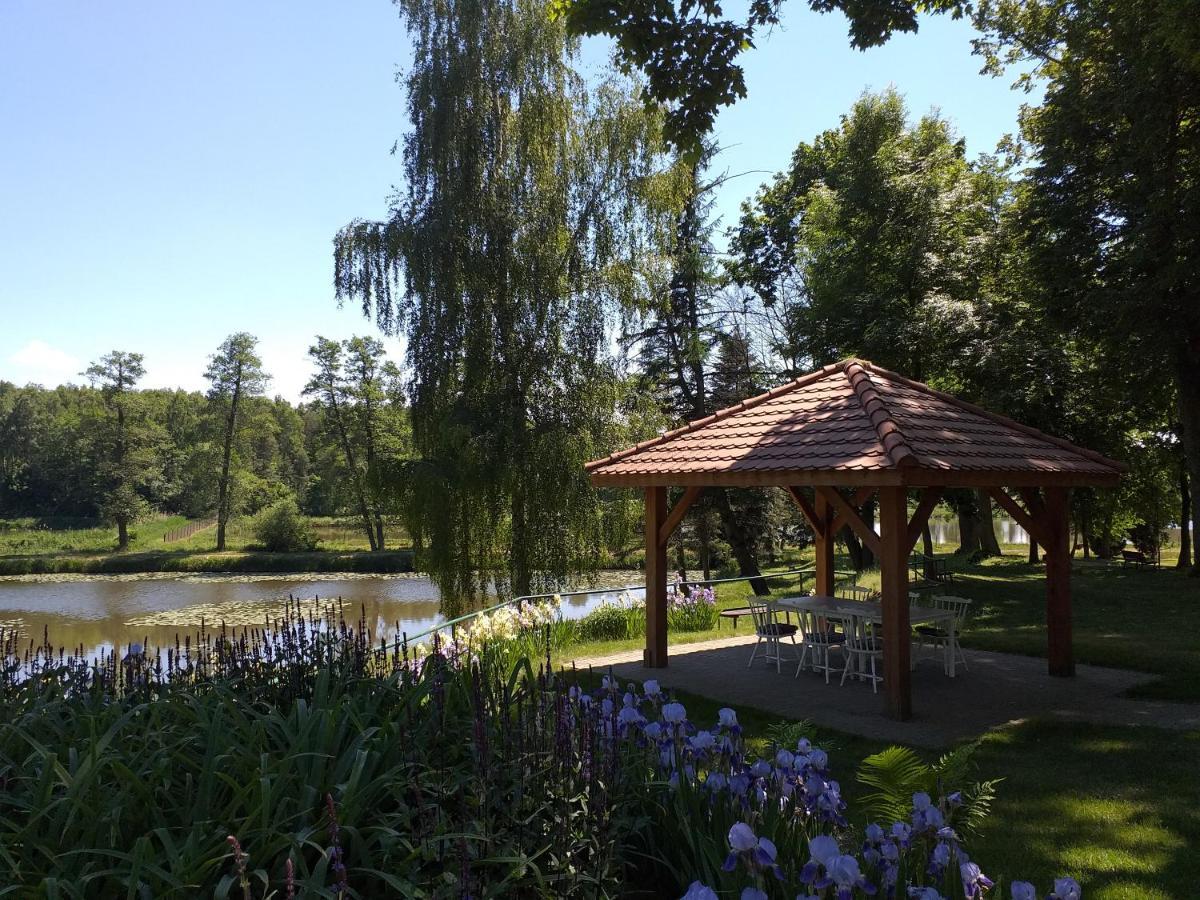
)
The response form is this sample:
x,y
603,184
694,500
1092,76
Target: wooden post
x,y
1056,541
893,570
656,579
823,544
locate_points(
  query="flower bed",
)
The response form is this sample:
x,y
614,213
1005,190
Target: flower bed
x,y
341,768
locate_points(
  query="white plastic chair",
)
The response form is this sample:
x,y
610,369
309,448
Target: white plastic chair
x,y
817,637
946,640
863,650
771,632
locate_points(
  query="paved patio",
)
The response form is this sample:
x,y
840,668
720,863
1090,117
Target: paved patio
x,y
999,688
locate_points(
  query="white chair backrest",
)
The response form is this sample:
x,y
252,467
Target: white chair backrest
x,y
859,632
854,592
959,606
762,614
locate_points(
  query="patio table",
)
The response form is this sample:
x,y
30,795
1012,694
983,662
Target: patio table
x,y
872,611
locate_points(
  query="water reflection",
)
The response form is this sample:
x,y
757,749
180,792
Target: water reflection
x,y
945,531
100,612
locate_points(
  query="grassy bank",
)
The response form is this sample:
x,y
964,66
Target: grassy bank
x,y
208,561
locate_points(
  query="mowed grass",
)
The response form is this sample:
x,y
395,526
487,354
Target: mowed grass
x,y
38,537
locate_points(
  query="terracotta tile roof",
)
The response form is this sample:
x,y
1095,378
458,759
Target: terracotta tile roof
x,y
853,422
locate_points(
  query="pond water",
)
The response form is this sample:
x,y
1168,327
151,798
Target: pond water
x,y
945,531
100,612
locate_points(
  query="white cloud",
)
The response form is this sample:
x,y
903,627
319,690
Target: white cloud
x,y
39,363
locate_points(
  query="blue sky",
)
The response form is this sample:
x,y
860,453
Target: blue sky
x,y
173,172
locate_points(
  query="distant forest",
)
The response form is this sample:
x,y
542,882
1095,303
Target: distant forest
x,y
109,450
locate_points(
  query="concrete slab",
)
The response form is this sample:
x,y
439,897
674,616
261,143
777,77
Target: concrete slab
x,y
998,688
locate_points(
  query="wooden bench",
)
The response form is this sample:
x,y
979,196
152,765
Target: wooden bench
x,y
1138,560
737,612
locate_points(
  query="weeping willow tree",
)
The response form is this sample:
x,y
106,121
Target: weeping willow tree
x,y
504,255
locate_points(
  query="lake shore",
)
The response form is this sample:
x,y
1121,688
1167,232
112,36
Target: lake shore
x,y
184,561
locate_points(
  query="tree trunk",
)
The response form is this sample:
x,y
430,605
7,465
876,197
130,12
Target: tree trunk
x,y
987,527
521,576
378,531
226,458
742,551
1188,382
854,549
364,509
968,532
1185,511
122,533
868,516
1033,551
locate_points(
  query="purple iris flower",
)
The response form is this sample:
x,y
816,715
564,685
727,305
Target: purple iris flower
x,y
727,717
753,893
674,713
973,879
698,891
742,837
1023,890
1066,889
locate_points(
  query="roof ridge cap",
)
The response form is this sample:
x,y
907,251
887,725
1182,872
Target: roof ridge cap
x,y
997,417
891,436
720,414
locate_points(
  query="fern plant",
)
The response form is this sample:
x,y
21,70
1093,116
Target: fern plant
x,y
895,774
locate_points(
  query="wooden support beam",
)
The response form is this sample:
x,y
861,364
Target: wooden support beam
x,y
846,512
678,511
893,570
930,497
1020,516
861,496
823,546
810,513
1057,543
656,579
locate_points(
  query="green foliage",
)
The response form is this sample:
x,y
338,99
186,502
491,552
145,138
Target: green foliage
x,y
607,622
281,527
1111,222
439,780
895,774
689,51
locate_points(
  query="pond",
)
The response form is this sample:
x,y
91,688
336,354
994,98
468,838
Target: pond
x,y
100,612
945,531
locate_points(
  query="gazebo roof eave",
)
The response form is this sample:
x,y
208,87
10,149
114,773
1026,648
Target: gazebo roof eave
x,y
907,477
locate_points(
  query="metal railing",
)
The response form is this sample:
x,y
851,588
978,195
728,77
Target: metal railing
x,y
453,624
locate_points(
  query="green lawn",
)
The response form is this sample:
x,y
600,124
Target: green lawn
x,y
38,537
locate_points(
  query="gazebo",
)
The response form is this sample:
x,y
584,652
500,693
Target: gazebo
x,y
855,426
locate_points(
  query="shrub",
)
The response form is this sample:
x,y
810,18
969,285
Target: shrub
x,y
607,622
282,528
